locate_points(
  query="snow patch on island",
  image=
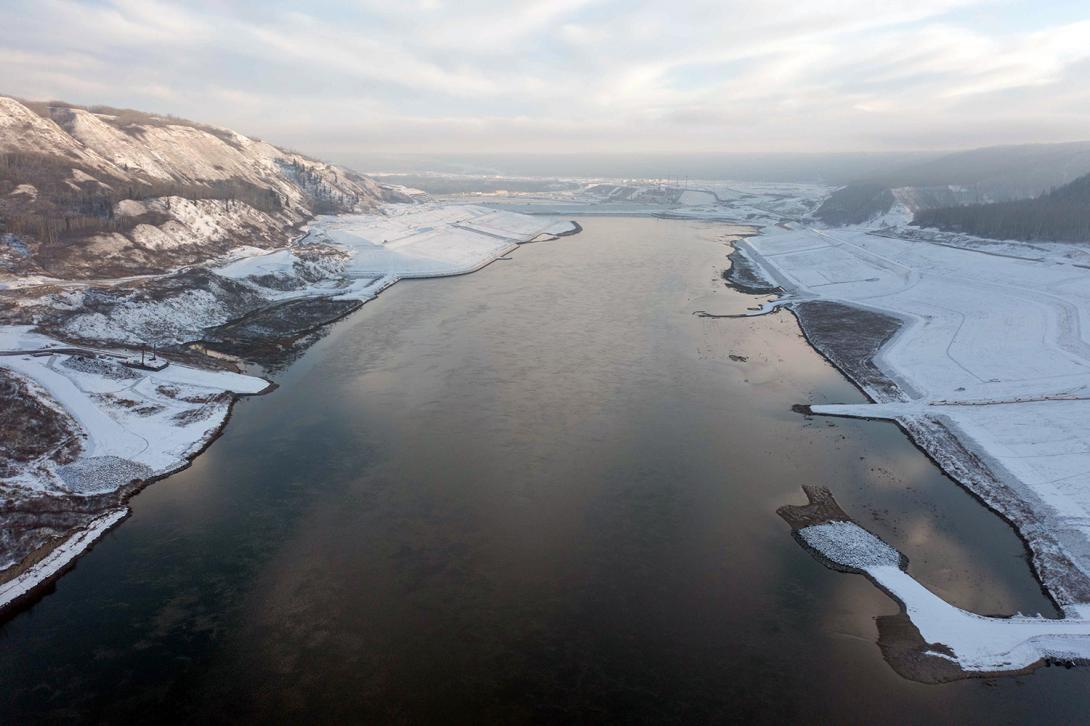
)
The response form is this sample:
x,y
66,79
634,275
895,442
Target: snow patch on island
x,y
975,642
849,545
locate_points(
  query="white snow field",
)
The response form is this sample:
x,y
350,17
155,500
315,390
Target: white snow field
x,y
978,643
994,349
741,202
129,421
377,250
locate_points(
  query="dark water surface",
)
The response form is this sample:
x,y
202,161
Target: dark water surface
x,y
542,492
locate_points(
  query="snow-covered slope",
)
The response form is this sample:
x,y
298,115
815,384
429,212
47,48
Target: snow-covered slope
x,y
124,192
23,131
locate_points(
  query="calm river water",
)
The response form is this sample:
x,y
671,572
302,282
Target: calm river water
x,y
542,492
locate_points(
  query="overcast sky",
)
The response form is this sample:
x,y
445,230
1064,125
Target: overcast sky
x,y
571,75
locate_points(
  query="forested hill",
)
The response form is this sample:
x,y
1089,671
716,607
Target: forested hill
x,y
1062,215
976,176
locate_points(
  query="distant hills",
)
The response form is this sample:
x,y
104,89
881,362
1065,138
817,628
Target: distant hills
x,y
856,203
1062,215
975,177
828,168
1000,172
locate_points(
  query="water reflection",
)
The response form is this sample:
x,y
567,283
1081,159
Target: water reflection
x,y
541,492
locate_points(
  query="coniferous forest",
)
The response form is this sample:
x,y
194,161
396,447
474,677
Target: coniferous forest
x,y
1061,215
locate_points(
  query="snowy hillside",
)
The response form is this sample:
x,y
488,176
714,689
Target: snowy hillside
x,y
102,192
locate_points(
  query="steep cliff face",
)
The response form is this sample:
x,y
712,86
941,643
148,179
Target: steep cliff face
x,y
99,193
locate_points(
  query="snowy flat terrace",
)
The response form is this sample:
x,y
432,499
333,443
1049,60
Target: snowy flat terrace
x,y
713,200
131,423
429,240
995,348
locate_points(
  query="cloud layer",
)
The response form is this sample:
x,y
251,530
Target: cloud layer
x,y
570,75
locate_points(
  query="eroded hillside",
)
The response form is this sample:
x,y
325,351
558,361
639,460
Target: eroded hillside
x,y
87,193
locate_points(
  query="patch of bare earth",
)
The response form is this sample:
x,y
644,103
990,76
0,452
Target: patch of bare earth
x,y
31,430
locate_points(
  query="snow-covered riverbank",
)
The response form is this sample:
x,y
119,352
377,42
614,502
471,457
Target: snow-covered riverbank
x,y
100,428
345,259
368,252
988,369
91,429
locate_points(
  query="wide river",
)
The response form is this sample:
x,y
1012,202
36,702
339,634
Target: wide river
x,y
541,492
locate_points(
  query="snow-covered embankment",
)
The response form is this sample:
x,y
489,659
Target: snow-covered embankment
x,y
94,429
988,370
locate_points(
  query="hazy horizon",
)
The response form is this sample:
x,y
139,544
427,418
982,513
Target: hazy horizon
x,y
834,168
349,80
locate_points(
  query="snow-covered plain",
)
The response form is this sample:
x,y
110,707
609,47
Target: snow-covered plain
x,y
376,250
741,202
993,349
132,423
